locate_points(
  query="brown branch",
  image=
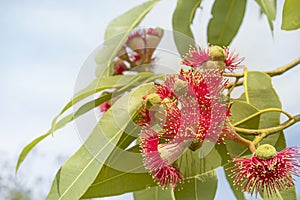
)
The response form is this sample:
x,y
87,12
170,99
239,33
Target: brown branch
x,y
267,131
275,72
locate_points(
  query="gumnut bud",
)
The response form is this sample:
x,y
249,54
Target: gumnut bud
x,y
265,152
152,99
217,53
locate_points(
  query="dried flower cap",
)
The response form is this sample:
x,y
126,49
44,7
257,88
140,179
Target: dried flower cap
x,y
267,171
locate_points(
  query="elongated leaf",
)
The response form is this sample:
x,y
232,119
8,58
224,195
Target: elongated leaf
x,y
102,84
79,171
117,33
154,193
124,172
203,186
226,21
268,7
119,81
182,19
32,144
291,15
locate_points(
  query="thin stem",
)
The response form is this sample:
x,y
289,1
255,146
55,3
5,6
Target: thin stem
x,y
234,136
261,112
267,131
232,87
275,72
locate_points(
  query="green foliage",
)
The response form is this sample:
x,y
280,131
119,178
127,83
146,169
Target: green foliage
x,y
268,7
155,193
203,186
205,159
291,15
105,165
121,82
196,187
226,21
182,20
259,92
80,170
131,168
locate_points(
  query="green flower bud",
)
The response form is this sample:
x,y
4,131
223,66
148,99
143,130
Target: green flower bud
x,y
217,53
265,152
152,99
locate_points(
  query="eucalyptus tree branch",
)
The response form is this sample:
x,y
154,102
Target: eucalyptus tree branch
x,y
262,133
275,72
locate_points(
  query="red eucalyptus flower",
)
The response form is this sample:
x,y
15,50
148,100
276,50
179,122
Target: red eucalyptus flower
x,y
196,57
186,107
232,60
267,170
222,58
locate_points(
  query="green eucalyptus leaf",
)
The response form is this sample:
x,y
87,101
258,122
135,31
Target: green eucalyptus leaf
x,y
226,21
116,35
182,19
268,7
119,172
286,194
291,15
80,170
203,186
154,193
260,93
206,158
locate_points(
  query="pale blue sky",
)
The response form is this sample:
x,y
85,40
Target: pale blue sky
x,y
45,43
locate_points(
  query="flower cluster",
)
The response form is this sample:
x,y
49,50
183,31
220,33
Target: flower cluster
x,y
267,171
137,52
187,108
214,56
